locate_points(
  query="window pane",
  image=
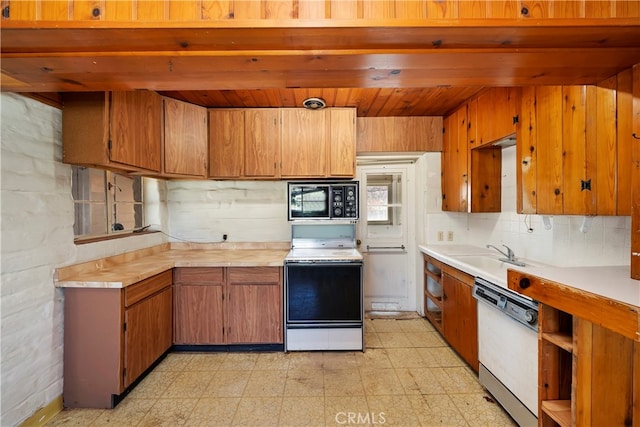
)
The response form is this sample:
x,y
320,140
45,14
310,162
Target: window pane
x,y
87,188
127,206
377,202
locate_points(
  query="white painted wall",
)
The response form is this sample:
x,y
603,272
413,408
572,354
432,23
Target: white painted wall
x,y
247,211
36,237
607,242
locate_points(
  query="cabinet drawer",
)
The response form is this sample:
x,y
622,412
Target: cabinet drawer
x,y
198,276
141,290
254,275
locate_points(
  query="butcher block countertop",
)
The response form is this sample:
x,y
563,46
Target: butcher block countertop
x,y
126,269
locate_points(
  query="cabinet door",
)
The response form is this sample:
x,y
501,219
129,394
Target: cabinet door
x,y
526,153
579,150
454,162
254,305
185,138
147,335
496,109
304,141
549,109
342,142
136,129
199,314
198,305
261,142
226,143
459,316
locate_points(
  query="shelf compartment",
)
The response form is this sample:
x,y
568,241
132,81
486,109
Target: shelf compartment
x,y
558,410
562,340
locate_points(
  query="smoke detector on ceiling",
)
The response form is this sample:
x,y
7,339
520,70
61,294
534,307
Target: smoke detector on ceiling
x,y
314,103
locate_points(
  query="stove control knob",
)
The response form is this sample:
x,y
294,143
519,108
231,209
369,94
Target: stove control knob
x,y
531,317
337,212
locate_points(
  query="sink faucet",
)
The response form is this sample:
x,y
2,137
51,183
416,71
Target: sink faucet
x,y
509,254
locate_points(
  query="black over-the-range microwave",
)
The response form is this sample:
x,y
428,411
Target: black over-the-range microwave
x,y
323,200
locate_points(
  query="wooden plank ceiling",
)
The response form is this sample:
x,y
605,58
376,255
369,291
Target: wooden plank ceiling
x,y
382,70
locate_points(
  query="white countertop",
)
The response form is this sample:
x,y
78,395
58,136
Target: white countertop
x,y
612,282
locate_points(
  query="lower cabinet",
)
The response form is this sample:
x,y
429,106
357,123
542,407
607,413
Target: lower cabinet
x,y
228,305
460,315
451,308
112,336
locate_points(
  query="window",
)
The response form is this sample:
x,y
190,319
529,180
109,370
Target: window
x,y
383,191
105,202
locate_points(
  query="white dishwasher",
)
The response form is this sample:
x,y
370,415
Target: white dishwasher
x,y
508,349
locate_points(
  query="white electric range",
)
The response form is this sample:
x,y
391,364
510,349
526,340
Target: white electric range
x,y
323,295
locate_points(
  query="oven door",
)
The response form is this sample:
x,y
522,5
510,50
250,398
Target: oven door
x,y
323,293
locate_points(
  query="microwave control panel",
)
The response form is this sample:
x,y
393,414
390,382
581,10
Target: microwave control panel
x,y
344,201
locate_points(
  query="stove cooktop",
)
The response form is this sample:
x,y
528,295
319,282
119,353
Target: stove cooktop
x,y
323,254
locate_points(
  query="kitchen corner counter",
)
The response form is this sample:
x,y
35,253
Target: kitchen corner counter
x,y
123,270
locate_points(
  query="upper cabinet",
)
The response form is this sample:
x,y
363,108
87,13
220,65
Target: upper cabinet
x,y
471,163
318,143
185,139
455,195
574,149
493,116
342,142
244,143
399,134
115,130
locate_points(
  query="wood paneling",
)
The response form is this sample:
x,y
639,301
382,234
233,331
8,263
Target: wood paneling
x,y
397,134
635,178
526,153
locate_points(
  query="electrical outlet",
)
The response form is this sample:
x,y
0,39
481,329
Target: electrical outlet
x,y
440,236
450,236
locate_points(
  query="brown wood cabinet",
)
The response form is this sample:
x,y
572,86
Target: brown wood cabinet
x,y
471,172
185,139
198,305
254,305
113,130
398,134
455,191
451,308
459,315
494,116
341,145
304,143
112,336
244,143
589,355
318,143
234,305
573,149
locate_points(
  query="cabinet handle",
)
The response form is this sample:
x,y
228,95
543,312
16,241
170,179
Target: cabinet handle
x,y
524,283
635,135
444,297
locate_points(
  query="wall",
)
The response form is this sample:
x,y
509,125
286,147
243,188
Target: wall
x,y
247,211
36,237
607,241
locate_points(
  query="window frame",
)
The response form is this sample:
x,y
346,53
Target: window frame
x,y
110,186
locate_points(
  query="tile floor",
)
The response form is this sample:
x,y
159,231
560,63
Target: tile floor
x,y
407,376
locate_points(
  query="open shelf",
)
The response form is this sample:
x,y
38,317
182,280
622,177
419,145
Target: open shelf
x,y
562,340
558,410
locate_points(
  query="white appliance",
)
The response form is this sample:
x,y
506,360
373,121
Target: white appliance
x,y
323,296
508,349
